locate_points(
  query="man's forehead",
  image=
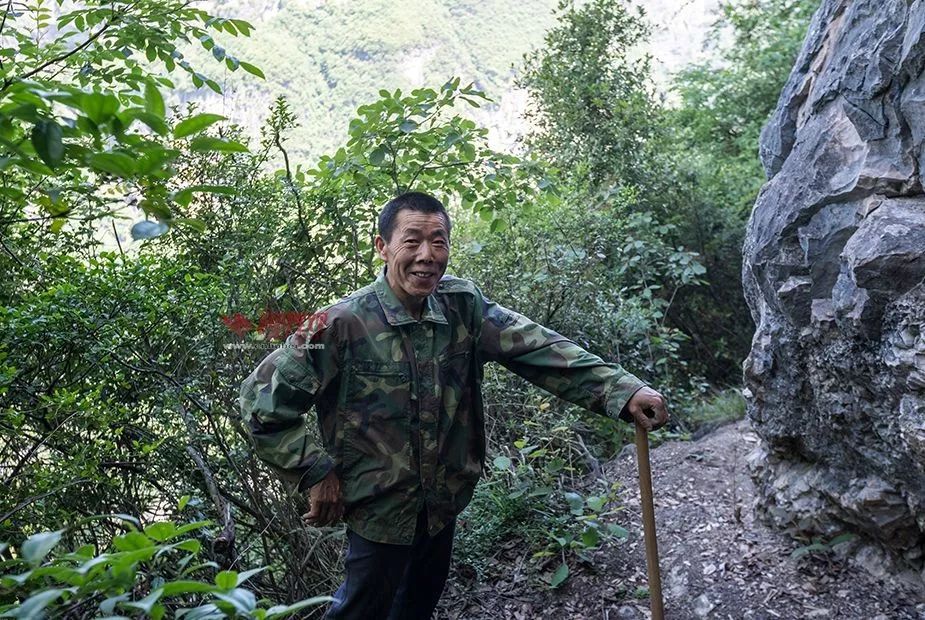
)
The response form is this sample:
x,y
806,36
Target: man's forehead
x,y
429,223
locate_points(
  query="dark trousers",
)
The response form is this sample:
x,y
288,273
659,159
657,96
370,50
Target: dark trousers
x,y
394,582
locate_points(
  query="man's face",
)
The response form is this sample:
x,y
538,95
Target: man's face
x,y
416,255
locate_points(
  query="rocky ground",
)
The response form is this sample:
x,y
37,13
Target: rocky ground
x,y
717,559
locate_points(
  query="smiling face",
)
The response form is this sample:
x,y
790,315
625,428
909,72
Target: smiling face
x,y
416,255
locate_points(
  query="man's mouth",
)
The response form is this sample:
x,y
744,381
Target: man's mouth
x,y
422,274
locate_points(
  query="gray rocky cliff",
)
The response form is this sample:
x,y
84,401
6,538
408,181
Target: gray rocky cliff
x,y
834,274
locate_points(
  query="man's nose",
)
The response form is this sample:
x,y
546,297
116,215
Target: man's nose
x,y
425,252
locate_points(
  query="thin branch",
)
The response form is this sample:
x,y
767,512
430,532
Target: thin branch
x,y
6,12
116,235
29,500
58,58
22,461
12,255
290,184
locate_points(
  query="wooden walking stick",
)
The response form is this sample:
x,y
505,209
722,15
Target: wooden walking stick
x,y
648,522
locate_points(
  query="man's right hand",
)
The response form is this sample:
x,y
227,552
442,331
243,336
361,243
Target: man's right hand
x,y
326,502
644,401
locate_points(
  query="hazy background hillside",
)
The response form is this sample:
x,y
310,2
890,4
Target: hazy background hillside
x,y
330,56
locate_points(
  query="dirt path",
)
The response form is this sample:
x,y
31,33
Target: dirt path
x,y
717,559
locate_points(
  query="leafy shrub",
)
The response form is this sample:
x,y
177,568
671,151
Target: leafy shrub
x,y
151,572
537,492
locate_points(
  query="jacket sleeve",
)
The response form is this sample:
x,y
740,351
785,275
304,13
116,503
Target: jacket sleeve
x,y
276,396
554,363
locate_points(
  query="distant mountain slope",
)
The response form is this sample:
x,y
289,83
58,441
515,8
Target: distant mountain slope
x,y
328,57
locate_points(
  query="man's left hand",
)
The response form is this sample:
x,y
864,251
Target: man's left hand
x,y
648,409
326,502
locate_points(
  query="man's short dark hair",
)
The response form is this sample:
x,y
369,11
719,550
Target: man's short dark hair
x,y
413,201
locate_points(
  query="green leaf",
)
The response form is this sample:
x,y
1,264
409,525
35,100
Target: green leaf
x,y
191,545
467,152
242,26
617,531
285,610
37,546
109,604
155,122
213,85
46,139
154,102
118,164
252,70
147,229
208,143
377,156
156,209
559,576
242,577
132,541
502,462
33,606
183,586
227,579
183,502
842,538
242,600
162,530
98,107
590,537
408,126
31,165
146,603
576,503
195,124
9,581
596,503
210,611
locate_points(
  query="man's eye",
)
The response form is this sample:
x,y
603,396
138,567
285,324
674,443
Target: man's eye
x,y
411,241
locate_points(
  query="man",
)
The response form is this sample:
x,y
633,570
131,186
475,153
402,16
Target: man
x,y
394,371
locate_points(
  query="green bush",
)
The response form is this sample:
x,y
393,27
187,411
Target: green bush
x,y
149,572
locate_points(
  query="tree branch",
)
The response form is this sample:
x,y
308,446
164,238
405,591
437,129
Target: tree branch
x,y
58,58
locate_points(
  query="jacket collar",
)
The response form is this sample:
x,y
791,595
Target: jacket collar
x,y
395,311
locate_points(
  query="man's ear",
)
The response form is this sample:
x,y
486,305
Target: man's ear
x,y
382,248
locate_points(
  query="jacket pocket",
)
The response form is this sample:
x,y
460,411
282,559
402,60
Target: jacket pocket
x,y
377,430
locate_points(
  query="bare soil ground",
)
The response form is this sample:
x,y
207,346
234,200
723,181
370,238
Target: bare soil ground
x,y
718,560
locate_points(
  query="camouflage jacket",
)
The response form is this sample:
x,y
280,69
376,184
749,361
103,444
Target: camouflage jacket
x,y
398,400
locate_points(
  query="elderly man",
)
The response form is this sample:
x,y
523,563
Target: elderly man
x,y
394,371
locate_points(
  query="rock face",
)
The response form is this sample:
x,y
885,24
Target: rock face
x,y
834,275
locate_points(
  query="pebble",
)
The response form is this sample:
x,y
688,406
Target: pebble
x,y
703,606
